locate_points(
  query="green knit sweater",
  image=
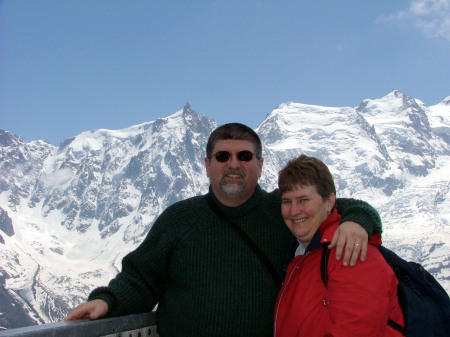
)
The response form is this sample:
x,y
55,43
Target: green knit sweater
x,y
205,279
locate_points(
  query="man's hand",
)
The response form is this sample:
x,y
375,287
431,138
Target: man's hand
x,y
354,238
92,309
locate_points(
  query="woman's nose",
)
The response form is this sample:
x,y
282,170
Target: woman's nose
x,y
295,209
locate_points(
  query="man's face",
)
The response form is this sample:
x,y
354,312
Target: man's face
x,y
234,180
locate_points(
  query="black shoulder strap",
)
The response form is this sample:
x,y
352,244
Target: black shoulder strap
x,y
324,264
254,247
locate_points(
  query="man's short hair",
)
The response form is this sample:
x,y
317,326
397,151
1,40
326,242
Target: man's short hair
x,y
235,131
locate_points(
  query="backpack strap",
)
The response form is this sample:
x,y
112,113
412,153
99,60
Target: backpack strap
x,y
324,263
394,325
244,236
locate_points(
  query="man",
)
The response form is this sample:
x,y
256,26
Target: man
x,y
203,276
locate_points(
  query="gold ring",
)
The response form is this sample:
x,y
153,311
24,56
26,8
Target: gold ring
x,y
356,244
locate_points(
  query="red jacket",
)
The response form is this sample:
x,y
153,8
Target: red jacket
x,y
358,302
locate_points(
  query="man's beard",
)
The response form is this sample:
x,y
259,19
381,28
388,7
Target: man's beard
x,y
233,187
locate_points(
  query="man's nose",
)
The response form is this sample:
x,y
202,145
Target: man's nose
x,y
234,161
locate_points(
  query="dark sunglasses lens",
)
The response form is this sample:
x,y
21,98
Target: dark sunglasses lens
x,y
245,155
222,156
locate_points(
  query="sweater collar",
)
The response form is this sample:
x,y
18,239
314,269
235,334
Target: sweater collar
x,y
241,210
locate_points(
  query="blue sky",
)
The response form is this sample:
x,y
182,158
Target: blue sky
x,y
68,66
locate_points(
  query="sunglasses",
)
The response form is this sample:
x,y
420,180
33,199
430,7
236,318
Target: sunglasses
x,y
224,156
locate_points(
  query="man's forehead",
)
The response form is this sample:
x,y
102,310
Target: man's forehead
x,y
233,144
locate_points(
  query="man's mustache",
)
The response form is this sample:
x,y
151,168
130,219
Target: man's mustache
x,y
234,172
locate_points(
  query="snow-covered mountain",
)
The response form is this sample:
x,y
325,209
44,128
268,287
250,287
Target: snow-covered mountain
x,y
69,214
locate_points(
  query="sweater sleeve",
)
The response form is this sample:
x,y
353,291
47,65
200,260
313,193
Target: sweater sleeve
x,y
360,212
139,285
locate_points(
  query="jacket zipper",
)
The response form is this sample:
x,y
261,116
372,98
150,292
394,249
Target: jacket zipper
x,y
285,285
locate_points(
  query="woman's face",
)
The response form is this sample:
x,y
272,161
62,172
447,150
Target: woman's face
x,y
303,211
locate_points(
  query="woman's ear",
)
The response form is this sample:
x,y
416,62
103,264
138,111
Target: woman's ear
x,y
331,202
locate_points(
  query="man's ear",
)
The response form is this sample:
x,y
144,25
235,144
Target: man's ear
x,y
207,164
260,164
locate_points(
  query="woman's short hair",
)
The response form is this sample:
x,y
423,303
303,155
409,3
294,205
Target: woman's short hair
x,y
235,131
306,171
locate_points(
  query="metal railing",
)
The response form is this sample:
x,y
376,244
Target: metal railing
x,y
138,325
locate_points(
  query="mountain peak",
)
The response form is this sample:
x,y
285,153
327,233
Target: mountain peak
x,y
187,108
396,93
8,139
446,101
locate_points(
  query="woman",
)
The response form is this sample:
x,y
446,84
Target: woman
x,y
359,300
